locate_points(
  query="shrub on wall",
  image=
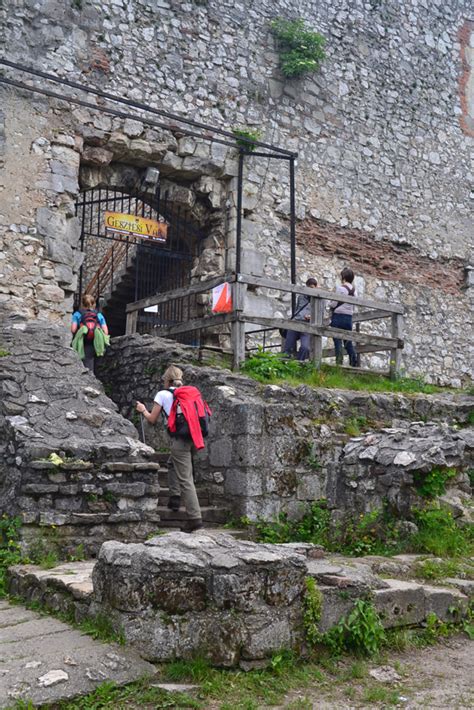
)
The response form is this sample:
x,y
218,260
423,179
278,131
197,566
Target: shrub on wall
x,y
302,50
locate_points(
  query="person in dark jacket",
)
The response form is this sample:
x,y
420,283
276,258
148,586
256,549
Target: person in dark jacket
x,y
302,313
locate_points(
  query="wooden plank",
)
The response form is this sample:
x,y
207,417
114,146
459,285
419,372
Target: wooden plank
x,y
369,315
131,323
362,349
302,327
327,295
238,325
179,293
396,353
195,324
317,317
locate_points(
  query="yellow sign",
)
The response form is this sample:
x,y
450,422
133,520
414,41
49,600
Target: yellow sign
x,y
138,226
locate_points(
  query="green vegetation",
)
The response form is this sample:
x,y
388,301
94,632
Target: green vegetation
x,y
439,533
439,569
361,632
354,426
375,533
246,138
301,50
4,353
10,550
313,602
276,369
433,484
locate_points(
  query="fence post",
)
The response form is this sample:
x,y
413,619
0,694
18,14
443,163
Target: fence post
x,y
131,324
238,326
317,316
396,353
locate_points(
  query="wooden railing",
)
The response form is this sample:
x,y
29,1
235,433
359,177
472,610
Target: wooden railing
x,y
366,342
103,279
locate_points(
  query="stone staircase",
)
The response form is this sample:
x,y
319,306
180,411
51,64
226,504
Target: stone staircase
x,y
212,515
81,504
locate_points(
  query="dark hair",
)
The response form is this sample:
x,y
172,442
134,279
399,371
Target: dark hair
x,y
311,281
347,275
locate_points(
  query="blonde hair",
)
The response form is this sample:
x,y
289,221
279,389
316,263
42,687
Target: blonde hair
x,y
173,376
88,301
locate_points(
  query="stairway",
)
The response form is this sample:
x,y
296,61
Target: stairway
x,y
119,291
212,515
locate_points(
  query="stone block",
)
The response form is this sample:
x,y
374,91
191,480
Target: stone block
x,y
448,604
131,490
59,251
253,262
400,604
50,293
336,604
311,487
220,452
242,483
96,156
266,635
214,595
50,223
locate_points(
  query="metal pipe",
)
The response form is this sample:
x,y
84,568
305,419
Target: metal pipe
x,y
140,106
238,240
292,231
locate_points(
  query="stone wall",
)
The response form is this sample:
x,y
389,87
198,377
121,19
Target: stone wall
x,y
275,449
101,482
383,134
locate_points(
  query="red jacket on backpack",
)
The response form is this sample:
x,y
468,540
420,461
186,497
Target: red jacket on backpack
x,y
193,408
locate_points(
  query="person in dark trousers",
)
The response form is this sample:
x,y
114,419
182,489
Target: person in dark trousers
x,y
341,317
302,313
88,315
180,479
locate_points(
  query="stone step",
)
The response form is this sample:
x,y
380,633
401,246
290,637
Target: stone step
x,y
44,661
210,514
202,494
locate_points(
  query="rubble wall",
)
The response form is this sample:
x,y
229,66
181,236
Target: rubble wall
x,y
71,467
275,449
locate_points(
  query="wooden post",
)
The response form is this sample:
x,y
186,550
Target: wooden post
x,y
396,353
317,317
131,324
238,326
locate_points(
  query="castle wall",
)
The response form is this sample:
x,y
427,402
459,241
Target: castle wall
x,y
383,133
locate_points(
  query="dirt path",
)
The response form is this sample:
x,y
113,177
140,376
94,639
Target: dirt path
x,y
441,676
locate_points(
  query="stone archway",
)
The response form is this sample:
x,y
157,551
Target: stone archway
x,y
194,187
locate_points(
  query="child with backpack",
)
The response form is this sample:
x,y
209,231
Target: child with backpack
x,y
88,320
187,416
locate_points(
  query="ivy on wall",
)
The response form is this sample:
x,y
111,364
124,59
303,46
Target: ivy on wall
x,y
301,50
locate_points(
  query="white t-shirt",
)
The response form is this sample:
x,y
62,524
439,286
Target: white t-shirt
x,y
165,399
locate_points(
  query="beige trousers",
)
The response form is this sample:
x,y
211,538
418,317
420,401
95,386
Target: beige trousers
x,y
180,477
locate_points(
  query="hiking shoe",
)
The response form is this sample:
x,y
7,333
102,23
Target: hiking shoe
x,y
192,525
174,503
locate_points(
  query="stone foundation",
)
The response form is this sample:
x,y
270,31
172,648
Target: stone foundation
x,y
234,602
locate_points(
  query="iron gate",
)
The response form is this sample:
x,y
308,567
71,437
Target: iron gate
x,y
119,268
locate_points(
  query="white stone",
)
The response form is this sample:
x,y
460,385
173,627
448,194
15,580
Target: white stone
x,y
403,458
53,678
